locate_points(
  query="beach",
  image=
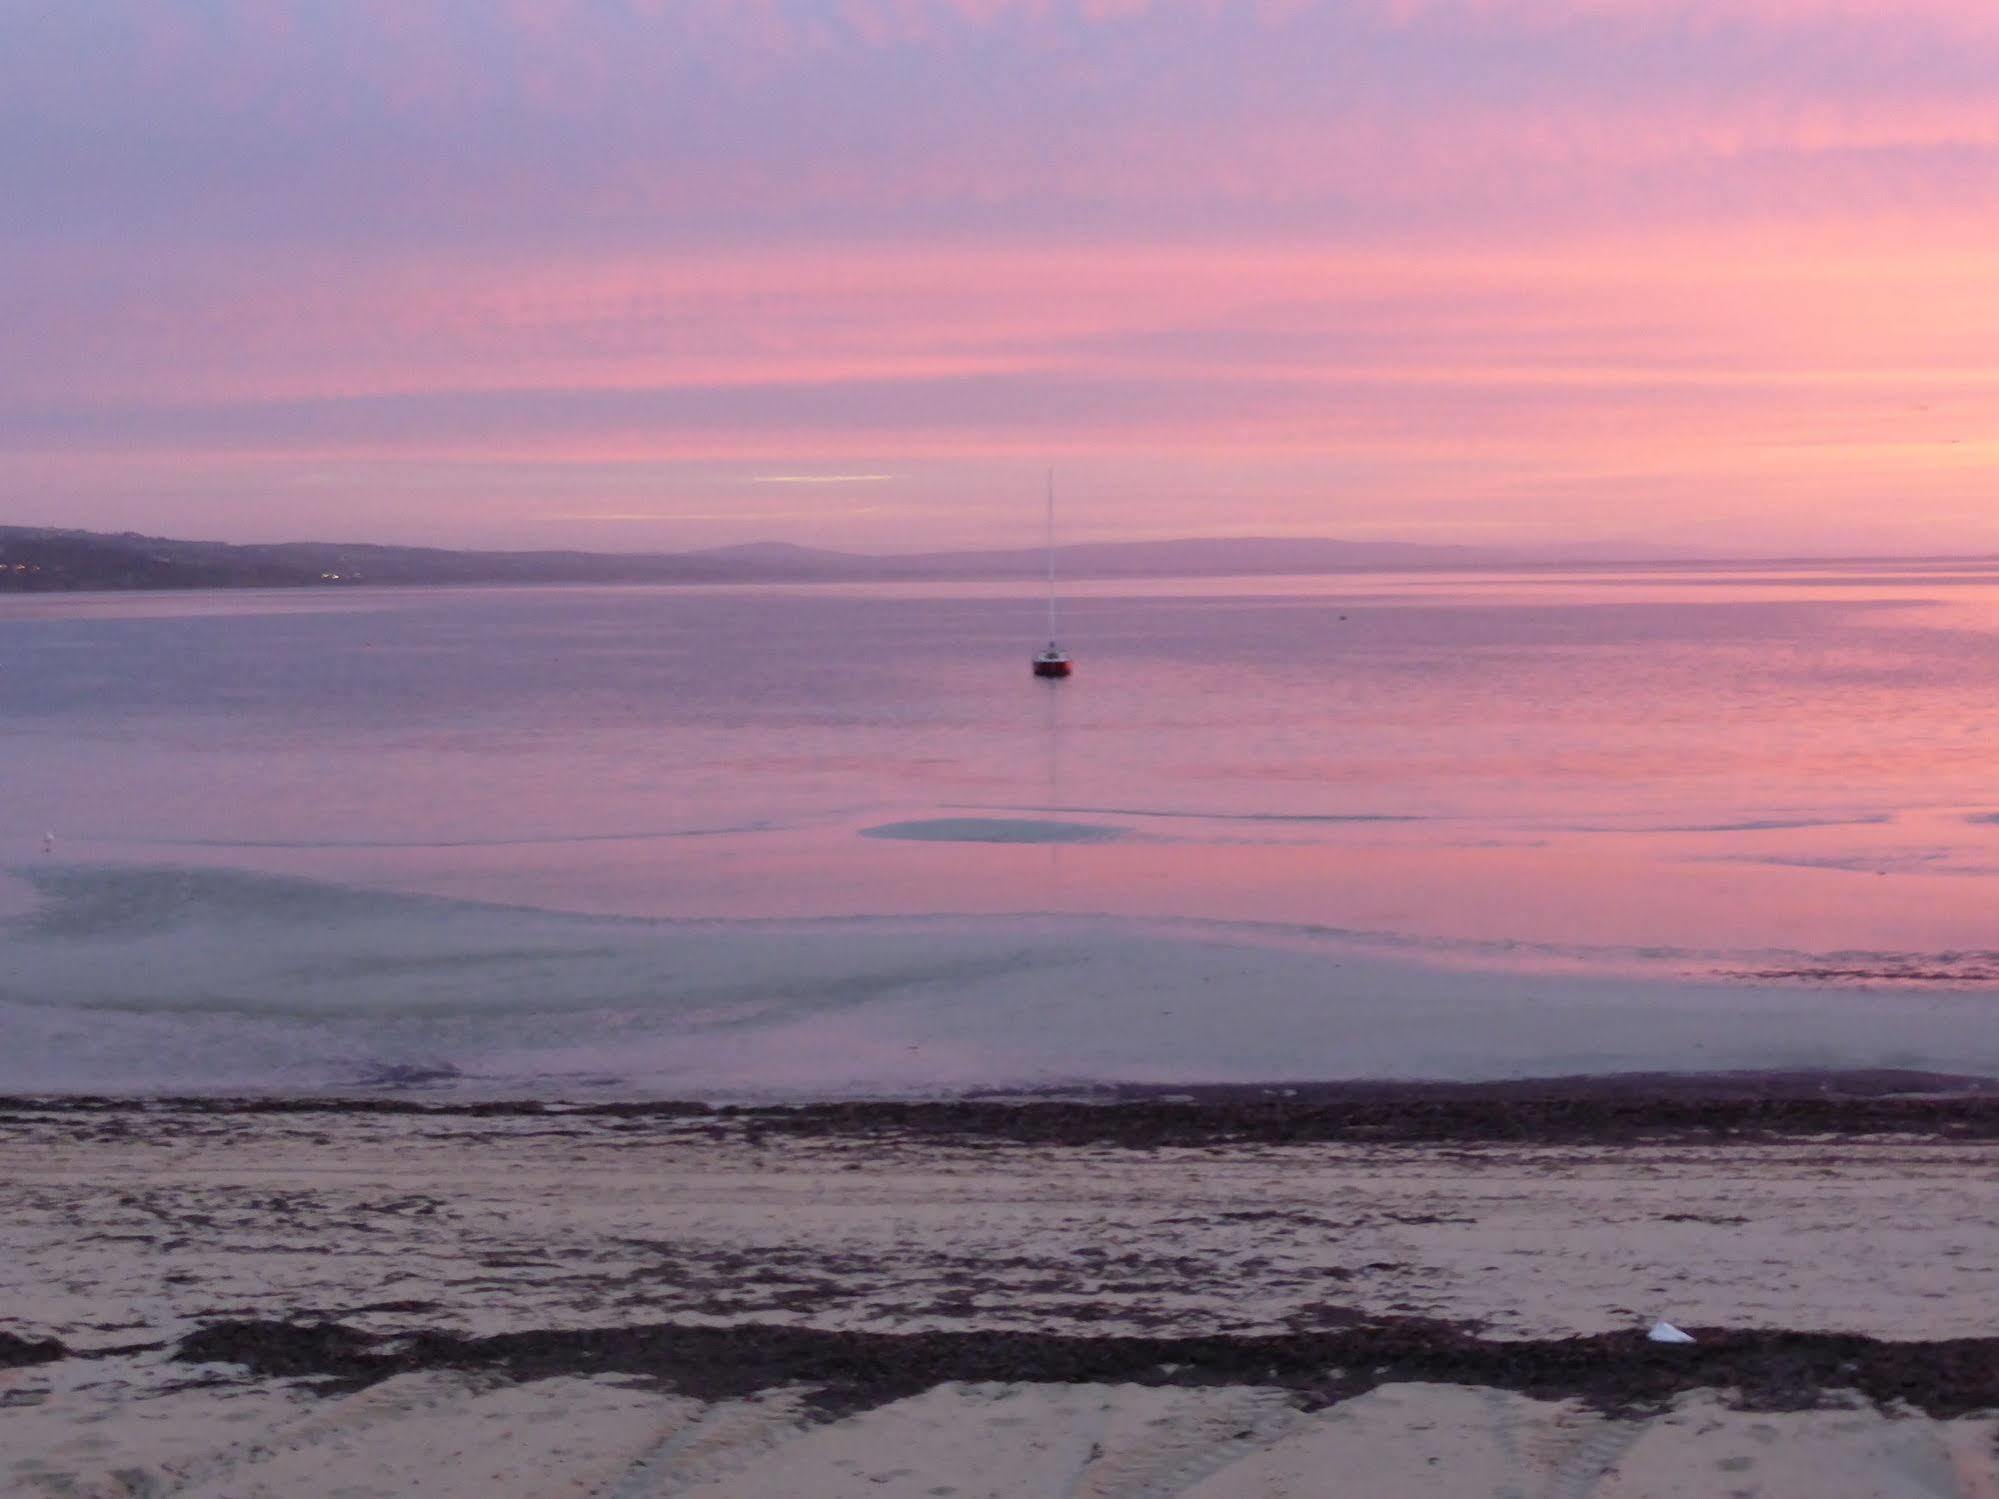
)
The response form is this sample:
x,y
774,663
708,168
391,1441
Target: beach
x,y
1380,1291
345,1012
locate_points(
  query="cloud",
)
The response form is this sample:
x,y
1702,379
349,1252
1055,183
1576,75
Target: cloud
x,y
527,124
1372,247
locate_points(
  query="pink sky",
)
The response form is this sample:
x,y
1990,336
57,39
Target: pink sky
x,y
621,273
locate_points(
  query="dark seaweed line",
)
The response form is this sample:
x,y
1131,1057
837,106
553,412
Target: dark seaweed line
x,y
18,1352
1523,1119
1514,1113
1619,1372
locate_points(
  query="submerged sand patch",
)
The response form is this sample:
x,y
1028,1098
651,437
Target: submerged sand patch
x,y
997,830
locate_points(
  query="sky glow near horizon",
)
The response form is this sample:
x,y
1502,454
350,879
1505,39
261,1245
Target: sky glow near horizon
x,y
1718,274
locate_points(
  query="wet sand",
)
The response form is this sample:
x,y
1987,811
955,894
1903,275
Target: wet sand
x,y
1420,1291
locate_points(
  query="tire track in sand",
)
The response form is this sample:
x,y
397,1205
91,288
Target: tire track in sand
x,y
711,1442
1158,1443
1558,1453
351,1416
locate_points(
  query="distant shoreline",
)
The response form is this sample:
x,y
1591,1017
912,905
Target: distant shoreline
x,y
49,560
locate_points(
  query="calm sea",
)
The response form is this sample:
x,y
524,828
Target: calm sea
x,y
794,837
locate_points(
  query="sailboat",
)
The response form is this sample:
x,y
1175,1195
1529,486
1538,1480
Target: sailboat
x,y
1053,662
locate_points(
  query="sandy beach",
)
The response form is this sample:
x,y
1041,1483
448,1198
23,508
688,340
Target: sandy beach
x,y
1135,1301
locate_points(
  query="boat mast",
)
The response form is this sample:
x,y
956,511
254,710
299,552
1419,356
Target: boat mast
x,y
1053,662
1051,556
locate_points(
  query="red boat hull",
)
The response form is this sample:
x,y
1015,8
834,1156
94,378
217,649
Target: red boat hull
x,y
1050,668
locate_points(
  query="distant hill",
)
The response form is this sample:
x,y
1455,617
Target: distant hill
x,y
43,560
40,559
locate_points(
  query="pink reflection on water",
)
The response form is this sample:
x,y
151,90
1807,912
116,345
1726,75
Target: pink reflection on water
x,y
1692,901
1564,768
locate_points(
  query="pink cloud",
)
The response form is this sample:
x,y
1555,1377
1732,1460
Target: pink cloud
x,y
1398,250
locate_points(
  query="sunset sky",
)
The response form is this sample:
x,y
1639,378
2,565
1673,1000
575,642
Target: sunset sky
x,y
635,274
